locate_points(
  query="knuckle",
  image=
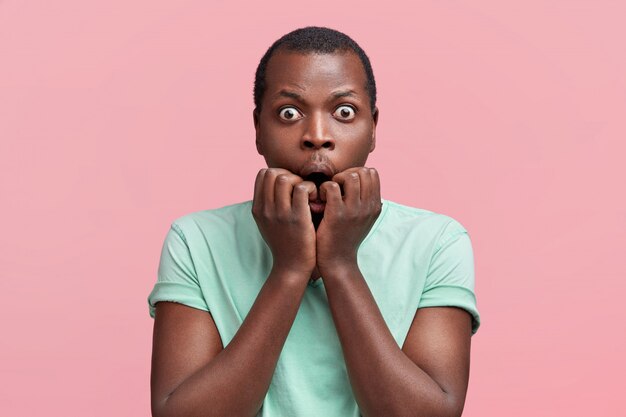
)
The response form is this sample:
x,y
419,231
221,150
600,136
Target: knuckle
x,y
266,213
284,217
329,186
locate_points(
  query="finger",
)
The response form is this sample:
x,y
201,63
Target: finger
x,y
365,180
350,182
258,188
303,192
331,194
375,184
345,172
268,187
349,170
279,171
283,188
313,191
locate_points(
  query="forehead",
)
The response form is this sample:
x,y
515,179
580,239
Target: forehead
x,y
307,71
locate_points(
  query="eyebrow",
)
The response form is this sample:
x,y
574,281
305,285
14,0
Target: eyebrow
x,y
290,94
344,93
298,97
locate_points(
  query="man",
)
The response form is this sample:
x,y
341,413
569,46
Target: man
x,y
318,297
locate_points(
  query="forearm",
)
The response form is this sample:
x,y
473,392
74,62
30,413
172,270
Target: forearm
x,y
235,382
384,380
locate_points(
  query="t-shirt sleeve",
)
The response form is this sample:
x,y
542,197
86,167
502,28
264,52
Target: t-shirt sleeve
x,y
177,279
450,278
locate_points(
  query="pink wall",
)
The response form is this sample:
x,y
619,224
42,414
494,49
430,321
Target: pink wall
x,y
117,117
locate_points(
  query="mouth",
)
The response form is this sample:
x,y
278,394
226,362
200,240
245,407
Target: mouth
x,y
318,178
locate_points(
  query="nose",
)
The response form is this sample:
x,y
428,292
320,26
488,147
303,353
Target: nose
x,y
317,134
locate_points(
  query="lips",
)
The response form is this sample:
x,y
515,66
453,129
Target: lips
x,y
317,174
317,169
318,178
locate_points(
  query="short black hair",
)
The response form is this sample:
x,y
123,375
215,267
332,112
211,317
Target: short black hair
x,y
314,39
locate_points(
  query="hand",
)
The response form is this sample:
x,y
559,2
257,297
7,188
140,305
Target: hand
x,y
348,218
282,214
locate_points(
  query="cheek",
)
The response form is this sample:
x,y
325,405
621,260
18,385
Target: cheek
x,y
279,132
359,138
278,147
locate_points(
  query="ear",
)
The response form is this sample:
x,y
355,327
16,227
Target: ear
x,y
256,118
375,119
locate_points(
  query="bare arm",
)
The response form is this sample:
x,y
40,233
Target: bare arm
x,y
427,377
193,376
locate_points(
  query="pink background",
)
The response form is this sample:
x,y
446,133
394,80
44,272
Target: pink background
x,y
117,117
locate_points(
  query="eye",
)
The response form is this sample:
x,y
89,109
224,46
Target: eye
x,y
345,112
289,114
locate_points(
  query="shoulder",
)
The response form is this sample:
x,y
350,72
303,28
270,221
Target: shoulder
x,y
213,221
426,222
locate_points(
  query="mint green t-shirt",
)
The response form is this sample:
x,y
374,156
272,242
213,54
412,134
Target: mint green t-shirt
x,y
216,260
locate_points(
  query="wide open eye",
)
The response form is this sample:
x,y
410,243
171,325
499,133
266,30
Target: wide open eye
x,y
289,114
345,112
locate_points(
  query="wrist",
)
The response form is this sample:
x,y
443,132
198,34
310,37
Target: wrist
x,y
290,273
338,267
